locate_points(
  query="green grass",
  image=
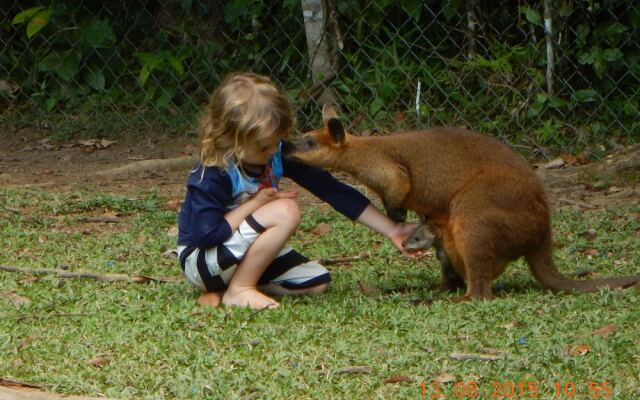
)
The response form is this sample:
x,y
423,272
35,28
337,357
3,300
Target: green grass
x,y
161,345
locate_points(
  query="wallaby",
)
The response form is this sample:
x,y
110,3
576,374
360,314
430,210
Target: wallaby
x,y
487,202
422,237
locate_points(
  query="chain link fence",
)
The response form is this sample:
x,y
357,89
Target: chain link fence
x,y
537,74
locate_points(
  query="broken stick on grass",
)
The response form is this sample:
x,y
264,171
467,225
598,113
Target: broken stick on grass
x,y
342,260
91,275
473,356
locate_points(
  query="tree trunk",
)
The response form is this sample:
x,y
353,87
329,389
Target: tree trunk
x,y
472,24
548,30
322,60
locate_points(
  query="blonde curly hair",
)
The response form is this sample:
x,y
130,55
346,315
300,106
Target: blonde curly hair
x,y
243,107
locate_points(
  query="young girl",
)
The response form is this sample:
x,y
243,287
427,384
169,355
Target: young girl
x,y
234,222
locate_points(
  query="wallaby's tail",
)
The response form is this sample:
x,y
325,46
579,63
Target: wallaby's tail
x,y
545,271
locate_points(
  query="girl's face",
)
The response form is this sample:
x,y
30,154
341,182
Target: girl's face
x,y
260,150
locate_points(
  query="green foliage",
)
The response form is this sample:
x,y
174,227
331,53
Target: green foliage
x,y
36,18
166,57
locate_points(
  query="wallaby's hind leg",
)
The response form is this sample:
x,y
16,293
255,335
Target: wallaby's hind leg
x,y
472,241
478,281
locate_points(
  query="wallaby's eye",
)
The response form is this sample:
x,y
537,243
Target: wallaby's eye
x,y
309,142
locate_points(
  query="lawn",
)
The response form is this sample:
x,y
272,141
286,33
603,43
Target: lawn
x,y
382,331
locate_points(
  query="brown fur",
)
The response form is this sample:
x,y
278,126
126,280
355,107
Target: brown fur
x,y
489,205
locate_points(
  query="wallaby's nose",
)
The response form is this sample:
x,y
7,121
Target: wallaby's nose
x,y
287,147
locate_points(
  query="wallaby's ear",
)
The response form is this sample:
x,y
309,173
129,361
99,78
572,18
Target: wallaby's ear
x,y
328,112
336,131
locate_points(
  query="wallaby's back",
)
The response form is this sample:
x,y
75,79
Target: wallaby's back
x,y
441,161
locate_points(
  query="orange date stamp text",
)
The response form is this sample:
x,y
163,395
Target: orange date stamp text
x,y
517,390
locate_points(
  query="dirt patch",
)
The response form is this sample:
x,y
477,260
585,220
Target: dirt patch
x,y
29,161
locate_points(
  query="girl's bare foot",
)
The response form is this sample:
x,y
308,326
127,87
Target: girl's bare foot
x,y
248,297
211,299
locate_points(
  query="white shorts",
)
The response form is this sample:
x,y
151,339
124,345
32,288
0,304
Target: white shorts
x,y
211,269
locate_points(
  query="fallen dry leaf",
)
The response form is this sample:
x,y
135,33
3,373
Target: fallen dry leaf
x,y
399,379
28,280
104,143
171,253
95,144
14,298
578,349
512,324
590,235
615,189
99,362
553,164
570,159
173,204
321,229
87,143
367,290
444,377
605,330
591,252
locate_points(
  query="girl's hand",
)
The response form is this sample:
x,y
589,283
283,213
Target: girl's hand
x,y
267,195
399,234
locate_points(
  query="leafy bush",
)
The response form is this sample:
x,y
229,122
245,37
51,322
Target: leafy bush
x,y
156,62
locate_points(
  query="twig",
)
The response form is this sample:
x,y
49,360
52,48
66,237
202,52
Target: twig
x,y
581,204
342,260
11,382
258,311
91,275
472,356
352,370
105,219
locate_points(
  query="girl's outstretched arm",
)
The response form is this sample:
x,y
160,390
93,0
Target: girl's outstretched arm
x,y
374,219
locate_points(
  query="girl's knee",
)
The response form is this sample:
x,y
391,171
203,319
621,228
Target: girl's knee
x,y
287,210
281,212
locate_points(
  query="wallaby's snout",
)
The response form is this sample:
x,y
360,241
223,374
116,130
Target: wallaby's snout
x,y
287,148
290,148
